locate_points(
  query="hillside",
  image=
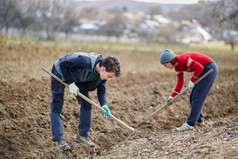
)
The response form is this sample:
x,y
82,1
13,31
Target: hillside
x,y
131,5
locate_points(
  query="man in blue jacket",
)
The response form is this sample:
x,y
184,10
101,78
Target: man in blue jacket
x,y
83,72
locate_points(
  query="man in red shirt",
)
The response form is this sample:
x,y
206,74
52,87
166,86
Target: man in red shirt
x,y
199,64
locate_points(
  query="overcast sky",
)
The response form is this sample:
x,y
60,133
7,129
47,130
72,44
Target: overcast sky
x,y
171,1
161,1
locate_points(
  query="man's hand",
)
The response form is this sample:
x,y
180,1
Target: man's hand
x,y
107,113
73,89
190,84
169,100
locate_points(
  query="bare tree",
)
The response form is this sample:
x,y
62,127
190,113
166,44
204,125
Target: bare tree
x,y
26,16
226,13
50,17
70,16
8,13
117,22
203,12
89,13
220,16
154,11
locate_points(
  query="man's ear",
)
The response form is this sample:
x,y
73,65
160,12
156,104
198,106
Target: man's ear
x,y
104,68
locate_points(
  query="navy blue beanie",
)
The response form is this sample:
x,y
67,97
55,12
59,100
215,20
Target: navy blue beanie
x,y
166,56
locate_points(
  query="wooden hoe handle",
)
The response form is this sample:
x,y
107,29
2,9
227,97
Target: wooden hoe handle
x,y
182,92
88,100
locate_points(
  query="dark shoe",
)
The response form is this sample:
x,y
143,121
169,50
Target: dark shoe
x,y
85,140
201,123
62,144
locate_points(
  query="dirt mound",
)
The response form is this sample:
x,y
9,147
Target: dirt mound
x,y
218,139
144,86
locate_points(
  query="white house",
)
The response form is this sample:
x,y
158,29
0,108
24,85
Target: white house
x,y
190,32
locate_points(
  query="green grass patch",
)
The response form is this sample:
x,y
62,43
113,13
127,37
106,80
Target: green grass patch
x,y
19,40
158,47
223,49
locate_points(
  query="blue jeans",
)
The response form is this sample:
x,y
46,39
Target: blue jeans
x,y
57,125
199,94
85,119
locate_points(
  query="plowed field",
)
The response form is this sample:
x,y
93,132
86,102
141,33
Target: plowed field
x,y
144,86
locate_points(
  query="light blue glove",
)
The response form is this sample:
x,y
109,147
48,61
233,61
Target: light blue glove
x,y
73,89
107,113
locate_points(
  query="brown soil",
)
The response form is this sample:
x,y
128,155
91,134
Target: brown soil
x,y
144,86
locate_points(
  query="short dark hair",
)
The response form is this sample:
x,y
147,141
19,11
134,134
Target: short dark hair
x,y
111,64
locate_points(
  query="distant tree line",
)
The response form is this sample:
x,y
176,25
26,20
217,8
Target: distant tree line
x,y
37,15
221,17
53,16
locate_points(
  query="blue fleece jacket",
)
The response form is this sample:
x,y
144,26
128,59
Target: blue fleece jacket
x,y
78,67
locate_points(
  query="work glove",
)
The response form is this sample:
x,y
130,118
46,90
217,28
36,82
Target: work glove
x,y
169,100
190,84
73,89
107,113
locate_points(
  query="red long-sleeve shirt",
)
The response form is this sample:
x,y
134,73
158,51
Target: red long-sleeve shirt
x,y
189,62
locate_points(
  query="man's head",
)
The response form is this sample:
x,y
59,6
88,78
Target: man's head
x,y
109,68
